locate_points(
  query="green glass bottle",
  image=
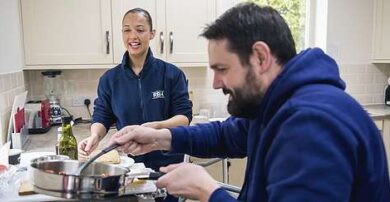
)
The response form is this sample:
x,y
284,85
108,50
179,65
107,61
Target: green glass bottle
x,y
68,143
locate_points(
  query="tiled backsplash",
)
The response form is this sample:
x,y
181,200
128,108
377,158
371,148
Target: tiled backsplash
x,y
364,82
11,84
83,83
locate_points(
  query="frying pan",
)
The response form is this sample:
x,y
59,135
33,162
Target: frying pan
x,y
98,178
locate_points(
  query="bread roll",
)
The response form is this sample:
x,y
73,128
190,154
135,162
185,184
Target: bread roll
x,y
110,157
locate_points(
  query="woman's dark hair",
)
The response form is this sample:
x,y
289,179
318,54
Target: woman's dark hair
x,y
144,12
247,23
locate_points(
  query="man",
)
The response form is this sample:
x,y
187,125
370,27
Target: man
x,y
305,138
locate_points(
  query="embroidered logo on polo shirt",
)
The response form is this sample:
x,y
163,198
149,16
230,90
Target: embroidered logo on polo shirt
x,y
158,94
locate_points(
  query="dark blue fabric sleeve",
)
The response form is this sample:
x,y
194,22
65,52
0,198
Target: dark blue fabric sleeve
x,y
310,159
180,103
102,112
214,139
220,195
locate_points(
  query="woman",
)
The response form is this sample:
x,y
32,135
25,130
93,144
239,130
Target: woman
x,y
141,90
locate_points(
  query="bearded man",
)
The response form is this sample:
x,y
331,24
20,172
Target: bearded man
x,y
304,137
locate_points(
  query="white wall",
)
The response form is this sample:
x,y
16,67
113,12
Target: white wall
x,y
349,42
11,52
350,25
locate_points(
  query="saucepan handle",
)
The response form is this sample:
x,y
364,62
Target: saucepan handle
x,y
145,176
152,176
108,149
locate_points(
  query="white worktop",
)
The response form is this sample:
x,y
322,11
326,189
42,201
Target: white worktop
x,y
378,110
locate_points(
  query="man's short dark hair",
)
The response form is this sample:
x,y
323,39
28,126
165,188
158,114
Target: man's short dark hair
x,y
247,23
144,12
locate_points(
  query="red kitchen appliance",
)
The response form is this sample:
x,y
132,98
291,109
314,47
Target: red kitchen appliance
x,y
37,115
53,85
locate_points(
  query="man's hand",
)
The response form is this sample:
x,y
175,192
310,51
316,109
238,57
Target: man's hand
x,y
137,140
188,180
153,124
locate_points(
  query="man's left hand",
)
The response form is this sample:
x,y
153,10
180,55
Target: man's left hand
x,y
187,180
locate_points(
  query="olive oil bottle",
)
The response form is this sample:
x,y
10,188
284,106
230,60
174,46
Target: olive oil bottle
x,y
67,144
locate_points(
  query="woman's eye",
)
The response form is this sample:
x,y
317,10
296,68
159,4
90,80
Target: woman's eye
x,y
126,30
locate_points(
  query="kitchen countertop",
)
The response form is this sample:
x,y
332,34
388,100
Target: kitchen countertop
x,y
378,111
46,142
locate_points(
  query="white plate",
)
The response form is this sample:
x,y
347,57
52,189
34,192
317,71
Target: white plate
x,y
26,157
126,162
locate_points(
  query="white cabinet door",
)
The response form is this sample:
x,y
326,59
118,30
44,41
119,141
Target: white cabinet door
x,y
119,8
185,20
178,24
382,32
67,32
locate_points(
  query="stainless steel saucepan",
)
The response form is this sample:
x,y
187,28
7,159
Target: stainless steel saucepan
x,y
98,178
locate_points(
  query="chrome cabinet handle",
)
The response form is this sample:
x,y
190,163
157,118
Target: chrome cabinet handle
x,y
107,42
171,42
161,42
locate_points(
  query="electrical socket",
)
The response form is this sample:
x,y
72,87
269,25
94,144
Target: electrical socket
x,y
78,101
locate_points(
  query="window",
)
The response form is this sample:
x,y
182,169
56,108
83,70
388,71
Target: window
x,y
294,12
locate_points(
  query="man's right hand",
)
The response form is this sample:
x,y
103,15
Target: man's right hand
x,y
88,145
137,140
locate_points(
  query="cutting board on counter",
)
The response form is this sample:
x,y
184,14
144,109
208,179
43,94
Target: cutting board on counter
x,y
16,120
26,188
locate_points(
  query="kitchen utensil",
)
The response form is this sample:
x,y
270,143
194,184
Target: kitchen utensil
x,y
47,158
18,105
37,114
14,156
87,163
145,176
98,179
61,176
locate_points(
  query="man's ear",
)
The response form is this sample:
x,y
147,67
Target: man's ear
x,y
261,56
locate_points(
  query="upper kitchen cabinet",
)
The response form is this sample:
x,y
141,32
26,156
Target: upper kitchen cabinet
x,y
67,32
381,48
178,24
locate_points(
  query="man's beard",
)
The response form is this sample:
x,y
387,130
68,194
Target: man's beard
x,y
245,102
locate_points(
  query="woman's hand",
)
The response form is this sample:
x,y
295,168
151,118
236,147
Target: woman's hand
x,y
88,145
137,140
187,180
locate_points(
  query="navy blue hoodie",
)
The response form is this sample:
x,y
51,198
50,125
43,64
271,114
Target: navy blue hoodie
x,y
311,141
158,93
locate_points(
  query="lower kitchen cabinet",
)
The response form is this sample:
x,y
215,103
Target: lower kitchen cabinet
x,y
379,124
215,170
383,125
236,171
386,139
